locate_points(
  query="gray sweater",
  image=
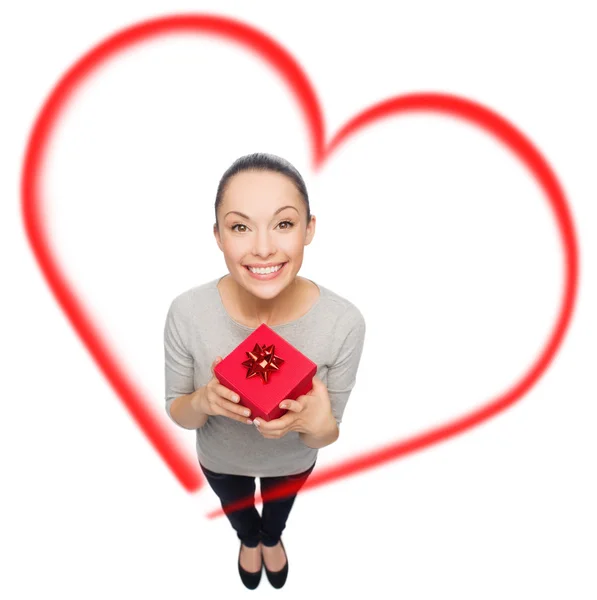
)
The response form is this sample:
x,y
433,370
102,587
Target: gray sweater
x,y
198,328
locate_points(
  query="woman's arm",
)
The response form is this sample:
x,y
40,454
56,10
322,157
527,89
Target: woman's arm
x,y
342,374
186,410
328,435
341,379
182,403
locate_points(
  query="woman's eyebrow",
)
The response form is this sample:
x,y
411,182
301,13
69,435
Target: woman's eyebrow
x,y
249,218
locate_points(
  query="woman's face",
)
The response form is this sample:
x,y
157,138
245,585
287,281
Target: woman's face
x,y
263,234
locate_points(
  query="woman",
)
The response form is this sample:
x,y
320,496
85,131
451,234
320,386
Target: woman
x,y
263,222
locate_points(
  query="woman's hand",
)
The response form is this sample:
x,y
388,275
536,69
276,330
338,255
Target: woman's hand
x,y
310,414
217,399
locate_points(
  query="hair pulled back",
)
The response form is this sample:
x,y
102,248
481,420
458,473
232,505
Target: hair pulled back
x,y
262,161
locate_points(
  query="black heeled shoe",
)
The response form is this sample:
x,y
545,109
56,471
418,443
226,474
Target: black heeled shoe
x,y
278,578
250,580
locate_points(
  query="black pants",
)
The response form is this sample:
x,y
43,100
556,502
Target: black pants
x,y
250,526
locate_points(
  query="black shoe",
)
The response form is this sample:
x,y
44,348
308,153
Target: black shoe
x,y
251,580
278,578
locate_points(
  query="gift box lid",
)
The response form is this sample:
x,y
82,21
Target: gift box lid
x,y
284,365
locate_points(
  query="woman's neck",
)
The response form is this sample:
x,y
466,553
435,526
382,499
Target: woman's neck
x,y
269,311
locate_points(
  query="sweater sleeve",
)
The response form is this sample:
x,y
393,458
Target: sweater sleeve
x,y
342,374
178,361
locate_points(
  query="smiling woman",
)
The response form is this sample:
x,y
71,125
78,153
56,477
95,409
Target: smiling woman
x,y
265,226
263,223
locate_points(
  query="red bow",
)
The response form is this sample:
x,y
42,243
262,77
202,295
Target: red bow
x,y
262,361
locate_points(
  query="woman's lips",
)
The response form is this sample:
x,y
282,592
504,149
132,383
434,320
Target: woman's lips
x,y
267,276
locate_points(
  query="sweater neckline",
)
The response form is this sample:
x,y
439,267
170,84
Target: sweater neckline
x,y
274,327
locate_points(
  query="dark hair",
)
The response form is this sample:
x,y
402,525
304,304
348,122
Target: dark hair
x,y
262,161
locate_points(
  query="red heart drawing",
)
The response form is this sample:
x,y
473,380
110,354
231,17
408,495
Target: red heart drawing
x,y
156,426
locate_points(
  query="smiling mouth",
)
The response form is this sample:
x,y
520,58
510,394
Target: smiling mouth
x,y
279,266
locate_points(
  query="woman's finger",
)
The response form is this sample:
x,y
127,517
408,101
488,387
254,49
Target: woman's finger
x,y
292,405
266,430
234,408
214,363
221,410
224,392
271,436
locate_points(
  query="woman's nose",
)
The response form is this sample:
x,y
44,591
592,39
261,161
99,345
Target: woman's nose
x,y
263,244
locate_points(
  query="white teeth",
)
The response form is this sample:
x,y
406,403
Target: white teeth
x,y
262,271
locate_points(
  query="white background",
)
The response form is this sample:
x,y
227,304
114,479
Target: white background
x,y
439,236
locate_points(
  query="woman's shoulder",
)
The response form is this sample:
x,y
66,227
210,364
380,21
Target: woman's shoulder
x,y
202,295
346,311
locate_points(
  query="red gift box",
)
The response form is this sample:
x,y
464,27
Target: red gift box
x,y
265,369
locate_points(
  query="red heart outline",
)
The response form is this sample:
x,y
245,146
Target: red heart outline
x,y
155,425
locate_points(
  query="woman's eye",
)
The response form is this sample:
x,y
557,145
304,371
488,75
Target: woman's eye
x,y
289,224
